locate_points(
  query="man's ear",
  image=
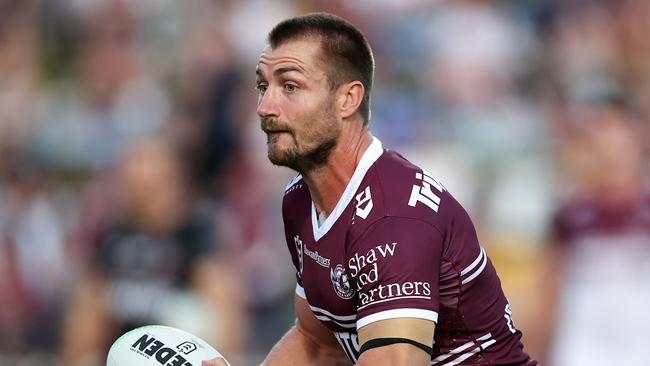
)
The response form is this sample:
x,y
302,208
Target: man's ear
x,y
350,96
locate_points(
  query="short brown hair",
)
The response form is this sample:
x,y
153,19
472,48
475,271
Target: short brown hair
x,y
345,49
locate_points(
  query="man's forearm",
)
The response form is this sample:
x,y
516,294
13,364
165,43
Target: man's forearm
x,y
297,348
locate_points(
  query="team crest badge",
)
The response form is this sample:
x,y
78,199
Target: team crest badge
x,y
341,282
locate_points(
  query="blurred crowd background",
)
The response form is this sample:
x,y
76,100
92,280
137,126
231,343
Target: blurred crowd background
x,y
134,185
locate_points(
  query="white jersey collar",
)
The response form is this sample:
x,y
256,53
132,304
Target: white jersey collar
x,y
372,153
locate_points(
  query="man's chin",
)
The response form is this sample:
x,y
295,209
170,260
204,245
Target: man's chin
x,y
300,162
281,158
277,137
291,164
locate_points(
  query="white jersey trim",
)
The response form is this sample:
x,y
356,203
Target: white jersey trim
x,y
397,313
300,291
327,313
482,258
345,321
293,182
474,264
460,353
369,157
327,319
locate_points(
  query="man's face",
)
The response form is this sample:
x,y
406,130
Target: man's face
x,y
296,105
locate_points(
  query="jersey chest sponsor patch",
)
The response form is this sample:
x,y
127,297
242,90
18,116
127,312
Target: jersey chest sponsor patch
x,y
365,269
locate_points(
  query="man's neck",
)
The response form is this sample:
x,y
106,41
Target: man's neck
x,y
327,183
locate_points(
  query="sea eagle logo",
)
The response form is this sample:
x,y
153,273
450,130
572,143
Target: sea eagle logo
x,y
341,281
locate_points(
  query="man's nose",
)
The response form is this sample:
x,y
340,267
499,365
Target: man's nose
x,y
267,105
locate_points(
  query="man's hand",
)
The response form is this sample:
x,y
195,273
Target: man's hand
x,y
215,362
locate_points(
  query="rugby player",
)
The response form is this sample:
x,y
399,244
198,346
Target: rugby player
x,y
389,269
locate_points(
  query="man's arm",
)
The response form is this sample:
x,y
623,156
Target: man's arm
x,y
308,342
417,331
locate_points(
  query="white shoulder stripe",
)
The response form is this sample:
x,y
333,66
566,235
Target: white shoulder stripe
x,y
475,263
479,270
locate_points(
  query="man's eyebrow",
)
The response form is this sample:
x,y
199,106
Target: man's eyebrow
x,y
279,71
283,70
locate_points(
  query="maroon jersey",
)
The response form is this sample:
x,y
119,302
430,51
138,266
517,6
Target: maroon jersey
x,y
398,245
580,219
607,251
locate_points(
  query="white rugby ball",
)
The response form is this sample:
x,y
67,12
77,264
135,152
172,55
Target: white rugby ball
x,y
157,345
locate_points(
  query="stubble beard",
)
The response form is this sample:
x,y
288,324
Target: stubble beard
x,y
312,154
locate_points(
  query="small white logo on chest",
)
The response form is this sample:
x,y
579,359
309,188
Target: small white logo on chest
x,y
325,262
364,203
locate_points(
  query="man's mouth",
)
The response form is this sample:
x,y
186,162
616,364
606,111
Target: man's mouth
x,y
273,136
270,126
275,131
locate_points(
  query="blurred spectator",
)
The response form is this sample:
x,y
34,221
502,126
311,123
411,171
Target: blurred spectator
x,y
599,263
473,78
19,74
32,246
113,102
155,263
585,54
216,125
210,90
32,262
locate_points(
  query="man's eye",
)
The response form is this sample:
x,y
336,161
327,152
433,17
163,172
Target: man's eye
x,y
261,88
290,87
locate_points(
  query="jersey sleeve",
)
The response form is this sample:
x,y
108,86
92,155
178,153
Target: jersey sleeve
x,y
294,244
395,265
